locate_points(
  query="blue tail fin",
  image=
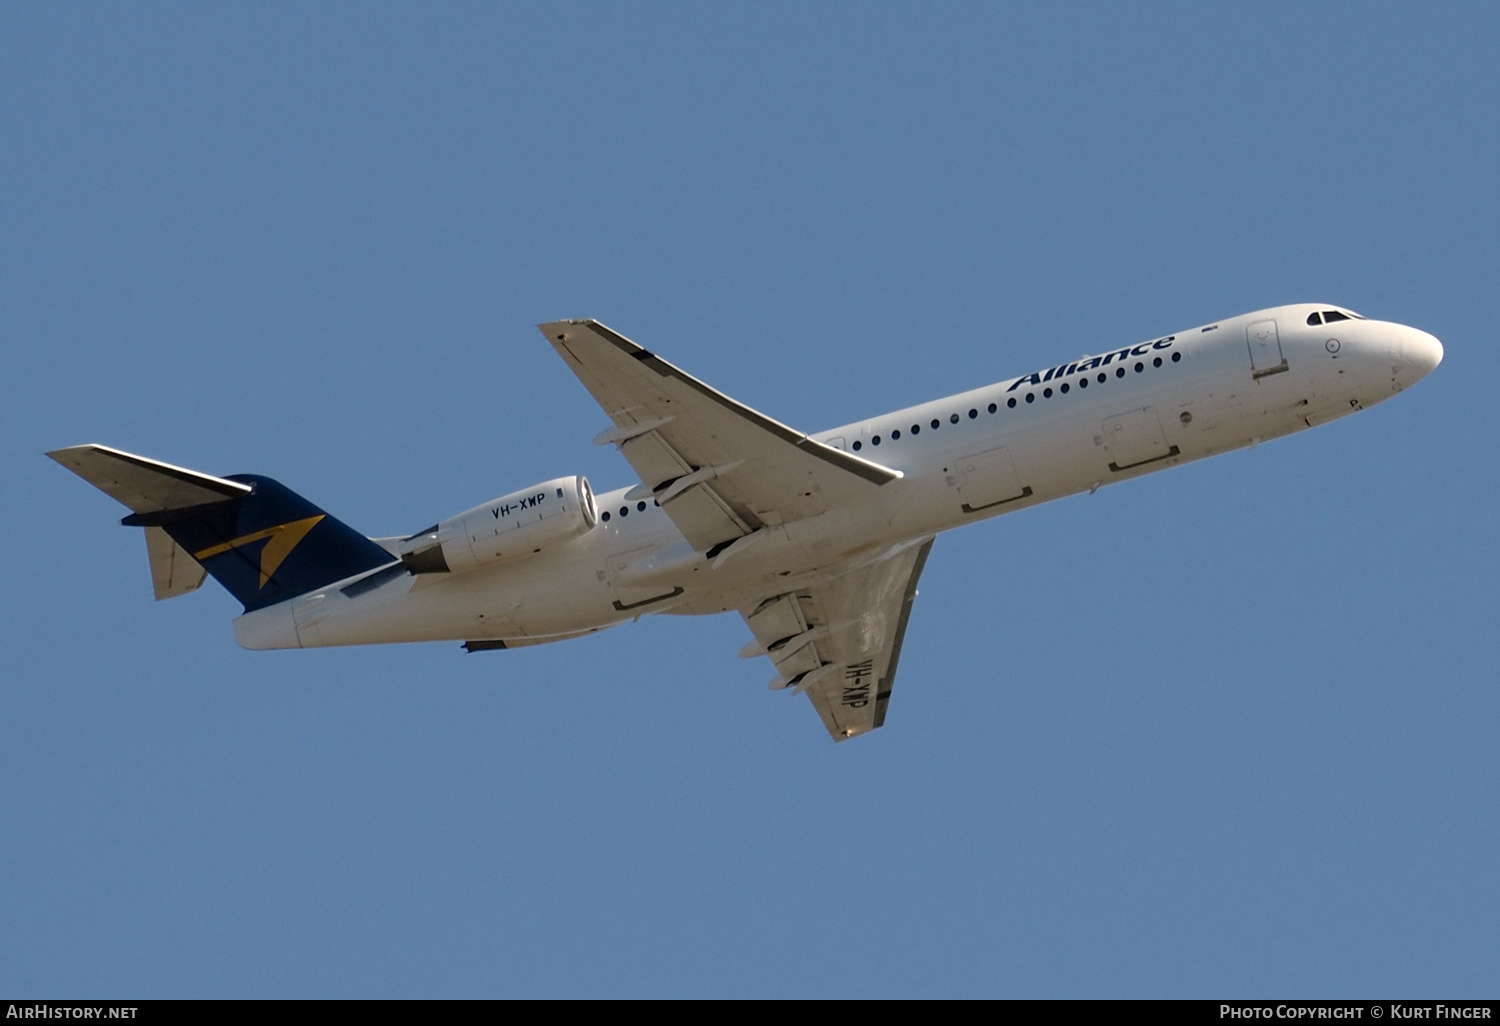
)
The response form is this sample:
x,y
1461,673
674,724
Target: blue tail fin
x,y
267,545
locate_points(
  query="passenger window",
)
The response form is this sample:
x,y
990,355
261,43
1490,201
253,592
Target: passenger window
x,y
936,423
858,446
953,419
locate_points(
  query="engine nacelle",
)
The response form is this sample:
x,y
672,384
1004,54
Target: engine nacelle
x,y
511,527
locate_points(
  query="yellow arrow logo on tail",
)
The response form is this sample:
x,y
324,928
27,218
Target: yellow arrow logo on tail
x,y
283,539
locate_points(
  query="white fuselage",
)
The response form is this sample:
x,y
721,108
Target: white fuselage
x,y
1072,428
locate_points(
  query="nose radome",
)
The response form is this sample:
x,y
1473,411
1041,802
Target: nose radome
x,y
1420,352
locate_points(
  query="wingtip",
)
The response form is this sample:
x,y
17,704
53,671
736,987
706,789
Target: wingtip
x,y
550,328
61,455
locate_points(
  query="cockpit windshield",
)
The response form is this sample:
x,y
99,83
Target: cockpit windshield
x,y
1329,316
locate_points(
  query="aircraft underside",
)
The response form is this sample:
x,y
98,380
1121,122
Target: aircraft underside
x,y
817,541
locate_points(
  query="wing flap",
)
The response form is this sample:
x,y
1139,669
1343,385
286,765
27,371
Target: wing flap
x,y
705,518
654,459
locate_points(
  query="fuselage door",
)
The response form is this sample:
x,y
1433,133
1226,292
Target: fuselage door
x,y
1265,348
1134,439
630,597
986,479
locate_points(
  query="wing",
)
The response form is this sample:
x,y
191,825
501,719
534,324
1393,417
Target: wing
x,y
719,469
840,641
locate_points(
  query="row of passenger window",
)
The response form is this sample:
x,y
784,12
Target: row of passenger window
x,y
625,510
1064,388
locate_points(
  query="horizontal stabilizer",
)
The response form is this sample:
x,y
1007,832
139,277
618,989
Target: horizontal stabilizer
x,y
142,485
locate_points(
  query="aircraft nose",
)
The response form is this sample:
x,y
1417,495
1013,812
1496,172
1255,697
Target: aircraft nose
x,y
1416,353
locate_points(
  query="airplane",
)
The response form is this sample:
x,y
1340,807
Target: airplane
x,y
816,540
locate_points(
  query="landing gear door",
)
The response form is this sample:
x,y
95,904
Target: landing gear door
x,y
1265,348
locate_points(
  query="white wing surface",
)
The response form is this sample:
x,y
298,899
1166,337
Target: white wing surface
x,y
839,641
719,469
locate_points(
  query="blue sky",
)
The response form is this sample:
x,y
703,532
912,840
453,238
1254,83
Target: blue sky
x,y
1227,730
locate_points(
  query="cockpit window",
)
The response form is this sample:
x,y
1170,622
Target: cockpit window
x,y
1329,316
1314,318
